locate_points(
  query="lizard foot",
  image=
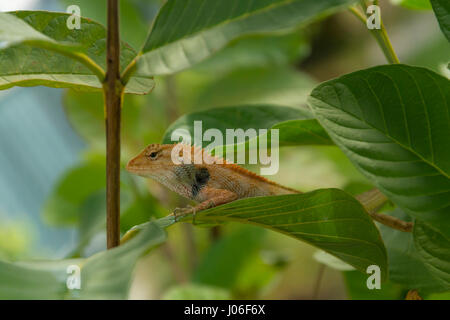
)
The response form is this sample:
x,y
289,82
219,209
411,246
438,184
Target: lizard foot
x,y
181,212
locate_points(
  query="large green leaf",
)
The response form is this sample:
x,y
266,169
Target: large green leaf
x,y
393,123
441,9
257,51
296,125
186,32
37,48
434,248
406,265
329,219
106,275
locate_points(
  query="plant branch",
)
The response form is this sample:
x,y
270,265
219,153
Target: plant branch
x,y
380,35
113,90
373,200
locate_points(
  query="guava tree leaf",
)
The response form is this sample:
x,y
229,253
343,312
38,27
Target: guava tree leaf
x,y
329,219
186,32
434,248
441,10
37,48
257,51
296,125
106,275
302,132
406,265
393,123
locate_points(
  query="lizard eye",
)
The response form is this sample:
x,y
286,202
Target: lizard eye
x,y
153,155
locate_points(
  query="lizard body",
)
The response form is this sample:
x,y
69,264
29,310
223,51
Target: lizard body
x,y
214,181
211,183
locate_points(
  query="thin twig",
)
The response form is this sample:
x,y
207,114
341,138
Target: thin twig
x,y
113,90
372,201
380,35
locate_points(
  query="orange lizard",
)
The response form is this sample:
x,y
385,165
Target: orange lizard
x,y
211,183
215,181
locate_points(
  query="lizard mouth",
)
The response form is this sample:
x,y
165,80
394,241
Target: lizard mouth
x,y
131,167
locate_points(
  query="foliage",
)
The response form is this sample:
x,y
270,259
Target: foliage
x,y
237,62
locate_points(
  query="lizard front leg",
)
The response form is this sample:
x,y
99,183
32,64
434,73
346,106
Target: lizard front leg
x,y
214,197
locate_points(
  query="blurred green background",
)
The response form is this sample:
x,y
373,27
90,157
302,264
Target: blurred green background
x,y
52,174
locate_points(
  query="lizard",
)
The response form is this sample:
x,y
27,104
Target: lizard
x,y
215,181
212,182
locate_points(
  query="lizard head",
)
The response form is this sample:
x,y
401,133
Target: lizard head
x,y
154,160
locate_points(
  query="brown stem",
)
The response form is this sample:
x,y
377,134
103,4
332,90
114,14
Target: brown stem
x,y
373,200
113,91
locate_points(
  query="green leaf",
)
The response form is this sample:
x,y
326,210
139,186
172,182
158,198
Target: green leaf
x,y
441,10
302,132
37,48
256,51
186,32
406,265
192,291
434,248
329,219
106,275
393,124
293,132
413,4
